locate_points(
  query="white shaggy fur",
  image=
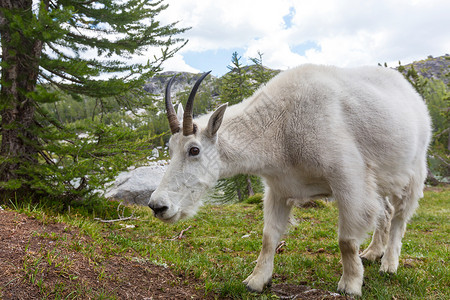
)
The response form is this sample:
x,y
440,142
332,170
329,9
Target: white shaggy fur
x,y
360,135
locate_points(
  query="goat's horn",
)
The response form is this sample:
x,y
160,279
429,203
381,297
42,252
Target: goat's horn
x,y
188,124
171,115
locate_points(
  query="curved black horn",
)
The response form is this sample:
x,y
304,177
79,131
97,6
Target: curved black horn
x,y
188,124
171,115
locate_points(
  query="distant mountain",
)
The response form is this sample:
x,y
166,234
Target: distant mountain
x,y
433,67
184,80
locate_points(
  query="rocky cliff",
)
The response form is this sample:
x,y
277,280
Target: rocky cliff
x,y
433,67
157,84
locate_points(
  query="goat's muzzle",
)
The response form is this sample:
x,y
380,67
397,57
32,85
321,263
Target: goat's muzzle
x,y
158,210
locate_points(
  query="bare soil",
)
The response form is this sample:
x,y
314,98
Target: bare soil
x,y
43,259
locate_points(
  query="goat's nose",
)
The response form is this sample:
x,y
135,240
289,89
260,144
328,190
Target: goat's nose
x,y
158,209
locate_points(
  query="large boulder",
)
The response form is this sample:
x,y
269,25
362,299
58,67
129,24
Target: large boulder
x,y
136,186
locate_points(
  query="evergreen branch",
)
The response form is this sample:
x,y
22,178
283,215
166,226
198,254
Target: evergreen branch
x,y
96,157
48,118
75,80
57,51
439,134
111,66
88,2
47,159
444,161
57,84
93,29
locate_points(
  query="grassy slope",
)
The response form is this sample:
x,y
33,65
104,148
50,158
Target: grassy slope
x,y
222,244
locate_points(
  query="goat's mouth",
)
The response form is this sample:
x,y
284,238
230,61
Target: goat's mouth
x,y
169,218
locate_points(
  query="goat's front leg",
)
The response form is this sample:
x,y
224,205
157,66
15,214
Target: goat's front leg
x,y
276,216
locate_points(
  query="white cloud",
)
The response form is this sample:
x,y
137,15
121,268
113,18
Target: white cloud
x,y
226,23
177,63
345,33
366,32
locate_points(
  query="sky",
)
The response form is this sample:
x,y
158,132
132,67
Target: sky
x,y
288,33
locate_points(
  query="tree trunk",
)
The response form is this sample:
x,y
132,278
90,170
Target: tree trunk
x,y
20,66
239,194
250,187
448,141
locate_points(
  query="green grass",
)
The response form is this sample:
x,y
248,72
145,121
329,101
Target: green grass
x,y
222,244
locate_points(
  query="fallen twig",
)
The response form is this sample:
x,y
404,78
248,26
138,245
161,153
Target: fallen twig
x,y
280,246
118,210
121,217
179,236
117,220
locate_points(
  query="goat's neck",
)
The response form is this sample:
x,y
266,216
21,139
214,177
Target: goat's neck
x,y
240,147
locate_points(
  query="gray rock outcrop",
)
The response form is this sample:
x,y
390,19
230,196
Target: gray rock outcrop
x,y
136,186
433,67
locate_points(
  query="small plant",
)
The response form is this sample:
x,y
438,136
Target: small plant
x,y
255,199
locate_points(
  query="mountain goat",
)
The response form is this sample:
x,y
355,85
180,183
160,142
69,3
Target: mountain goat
x,y
359,135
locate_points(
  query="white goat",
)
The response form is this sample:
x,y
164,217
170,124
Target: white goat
x,y
360,135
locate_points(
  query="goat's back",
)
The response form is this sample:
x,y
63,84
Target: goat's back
x,y
369,111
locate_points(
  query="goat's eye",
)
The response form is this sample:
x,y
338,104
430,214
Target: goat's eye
x,y
194,151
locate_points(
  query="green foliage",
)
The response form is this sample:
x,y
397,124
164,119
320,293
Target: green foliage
x,y
260,74
87,99
237,188
235,85
73,166
417,81
255,199
437,97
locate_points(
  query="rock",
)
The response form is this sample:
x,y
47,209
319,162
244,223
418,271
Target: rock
x,y
184,80
433,67
136,186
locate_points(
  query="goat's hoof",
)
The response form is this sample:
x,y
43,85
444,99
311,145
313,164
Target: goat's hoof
x,y
350,287
255,285
371,256
368,262
254,289
387,267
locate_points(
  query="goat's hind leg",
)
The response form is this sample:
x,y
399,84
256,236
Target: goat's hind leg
x,y
381,234
405,204
404,208
276,216
358,209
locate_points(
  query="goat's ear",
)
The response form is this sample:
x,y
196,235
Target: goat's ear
x,y
180,112
216,120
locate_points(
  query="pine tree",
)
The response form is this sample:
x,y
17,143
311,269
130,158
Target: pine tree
x,y
51,48
235,85
260,74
